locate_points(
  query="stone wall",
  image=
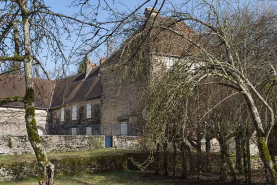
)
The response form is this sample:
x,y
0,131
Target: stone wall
x,y
12,121
120,98
128,142
215,147
16,145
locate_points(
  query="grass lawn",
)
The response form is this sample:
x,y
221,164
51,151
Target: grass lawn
x,y
111,178
7,159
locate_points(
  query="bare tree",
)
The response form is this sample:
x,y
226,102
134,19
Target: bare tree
x,y
231,45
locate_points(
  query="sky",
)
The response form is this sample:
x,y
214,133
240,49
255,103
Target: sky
x,y
62,6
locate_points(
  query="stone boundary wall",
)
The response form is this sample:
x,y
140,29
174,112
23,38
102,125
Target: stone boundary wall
x,y
128,142
17,145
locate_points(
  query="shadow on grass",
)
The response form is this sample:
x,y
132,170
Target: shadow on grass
x,y
131,178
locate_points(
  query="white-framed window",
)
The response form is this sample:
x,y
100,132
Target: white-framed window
x,y
88,131
74,113
124,128
62,114
89,110
73,131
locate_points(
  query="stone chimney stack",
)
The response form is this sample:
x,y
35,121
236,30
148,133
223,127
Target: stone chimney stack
x,y
102,60
148,11
89,66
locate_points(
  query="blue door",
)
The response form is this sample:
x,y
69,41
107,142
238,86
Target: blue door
x,y
108,141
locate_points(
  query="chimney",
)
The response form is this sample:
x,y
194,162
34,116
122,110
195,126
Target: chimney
x,y
89,67
102,60
148,11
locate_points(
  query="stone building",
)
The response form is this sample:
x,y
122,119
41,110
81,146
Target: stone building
x,y
12,115
97,101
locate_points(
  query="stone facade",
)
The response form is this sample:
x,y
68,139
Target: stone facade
x,y
119,101
81,117
12,121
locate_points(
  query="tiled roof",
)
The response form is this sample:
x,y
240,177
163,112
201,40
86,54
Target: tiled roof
x,y
75,89
67,90
14,85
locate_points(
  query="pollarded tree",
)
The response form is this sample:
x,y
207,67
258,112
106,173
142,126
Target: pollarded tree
x,y
234,43
237,46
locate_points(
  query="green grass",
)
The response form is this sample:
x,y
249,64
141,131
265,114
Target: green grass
x,y
7,159
111,178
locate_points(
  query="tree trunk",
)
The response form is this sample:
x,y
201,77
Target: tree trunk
x,y
244,159
208,153
249,176
184,161
262,136
46,168
174,158
266,158
226,160
191,160
229,162
158,159
223,165
199,154
165,159
238,154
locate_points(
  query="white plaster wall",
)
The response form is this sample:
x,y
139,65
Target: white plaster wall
x,y
12,121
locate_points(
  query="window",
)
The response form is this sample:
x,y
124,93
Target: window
x,y
74,113
62,114
88,131
123,128
73,131
88,110
169,63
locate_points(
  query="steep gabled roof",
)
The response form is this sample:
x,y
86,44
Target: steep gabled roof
x,y
75,89
66,91
14,85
